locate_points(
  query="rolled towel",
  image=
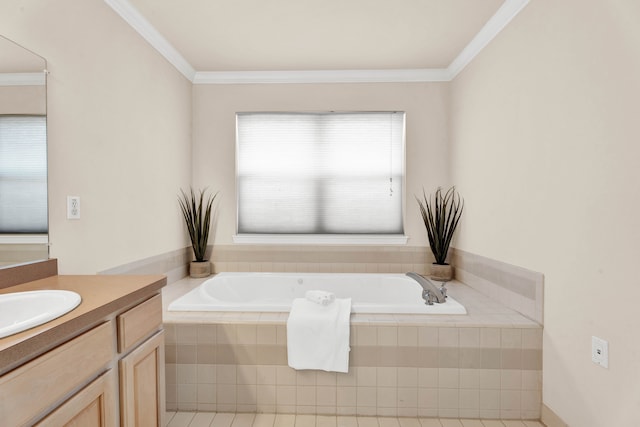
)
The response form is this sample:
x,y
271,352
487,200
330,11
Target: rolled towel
x,y
320,297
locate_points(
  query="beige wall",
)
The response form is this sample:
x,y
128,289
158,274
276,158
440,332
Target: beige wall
x,y
426,106
118,132
23,100
545,149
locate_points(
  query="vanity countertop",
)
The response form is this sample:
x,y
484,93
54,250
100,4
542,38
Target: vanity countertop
x,y
102,295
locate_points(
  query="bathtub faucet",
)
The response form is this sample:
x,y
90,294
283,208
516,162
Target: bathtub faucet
x,y
430,293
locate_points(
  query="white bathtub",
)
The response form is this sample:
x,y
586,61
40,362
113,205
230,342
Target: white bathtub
x,y
274,292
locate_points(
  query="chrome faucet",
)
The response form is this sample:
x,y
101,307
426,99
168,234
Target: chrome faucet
x,y
430,292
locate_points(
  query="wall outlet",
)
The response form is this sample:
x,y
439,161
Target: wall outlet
x,y
600,352
73,207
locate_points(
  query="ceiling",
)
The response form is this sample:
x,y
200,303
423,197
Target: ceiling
x,y
209,40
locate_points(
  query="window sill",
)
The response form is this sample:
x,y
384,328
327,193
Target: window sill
x,y
24,239
319,239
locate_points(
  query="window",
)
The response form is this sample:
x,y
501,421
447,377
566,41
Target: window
x,y
23,175
320,173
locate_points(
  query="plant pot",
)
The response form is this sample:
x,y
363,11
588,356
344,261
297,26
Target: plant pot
x,y
441,272
199,269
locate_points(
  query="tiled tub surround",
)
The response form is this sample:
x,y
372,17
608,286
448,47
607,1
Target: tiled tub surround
x,y
321,259
174,265
486,364
290,258
515,287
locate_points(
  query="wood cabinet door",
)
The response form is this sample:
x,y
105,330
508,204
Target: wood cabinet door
x,y
142,384
29,392
93,406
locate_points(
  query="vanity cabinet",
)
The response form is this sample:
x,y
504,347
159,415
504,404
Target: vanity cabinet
x,y
142,384
30,390
111,375
142,399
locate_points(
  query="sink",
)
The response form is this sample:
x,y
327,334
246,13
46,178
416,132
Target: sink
x,y
20,311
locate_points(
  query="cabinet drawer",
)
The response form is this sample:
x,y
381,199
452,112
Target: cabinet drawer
x,y
34,387
139,322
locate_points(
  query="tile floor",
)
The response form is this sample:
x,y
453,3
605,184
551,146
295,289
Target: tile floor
x,y
225,419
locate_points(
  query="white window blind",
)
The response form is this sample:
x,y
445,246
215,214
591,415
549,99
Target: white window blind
x,y
320,173
23,174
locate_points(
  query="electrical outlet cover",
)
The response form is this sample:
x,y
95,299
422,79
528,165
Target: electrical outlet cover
x,y
73,207
600,352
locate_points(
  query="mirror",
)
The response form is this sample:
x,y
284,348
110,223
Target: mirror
x,y
23,155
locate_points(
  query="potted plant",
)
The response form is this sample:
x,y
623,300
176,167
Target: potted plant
x,y
441,214
196,211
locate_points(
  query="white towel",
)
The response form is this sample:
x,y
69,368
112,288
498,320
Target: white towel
x,y
320,297
318,335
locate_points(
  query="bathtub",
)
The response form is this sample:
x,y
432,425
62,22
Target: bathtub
x,y
274,292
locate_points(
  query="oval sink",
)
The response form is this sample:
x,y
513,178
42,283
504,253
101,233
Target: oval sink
x,y
20,311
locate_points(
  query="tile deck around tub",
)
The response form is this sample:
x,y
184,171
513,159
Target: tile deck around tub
x,y
481,312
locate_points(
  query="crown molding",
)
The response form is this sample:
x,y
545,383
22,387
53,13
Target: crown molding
x,y
139,23
502,17
23,79
322,76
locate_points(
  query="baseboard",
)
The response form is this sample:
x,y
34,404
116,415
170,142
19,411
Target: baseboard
x,y
550,419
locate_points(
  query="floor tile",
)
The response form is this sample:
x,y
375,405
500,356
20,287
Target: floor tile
x,y
326,421
367,422
243,420
284,420
181,419
409,422
347,421
202,419
264,420
228,419
168,416
388,422
305,421
223,419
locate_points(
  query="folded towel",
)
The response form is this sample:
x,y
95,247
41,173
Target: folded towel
x,y
320,297
318,335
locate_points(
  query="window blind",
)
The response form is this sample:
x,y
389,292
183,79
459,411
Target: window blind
x,y
23,174
320,173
